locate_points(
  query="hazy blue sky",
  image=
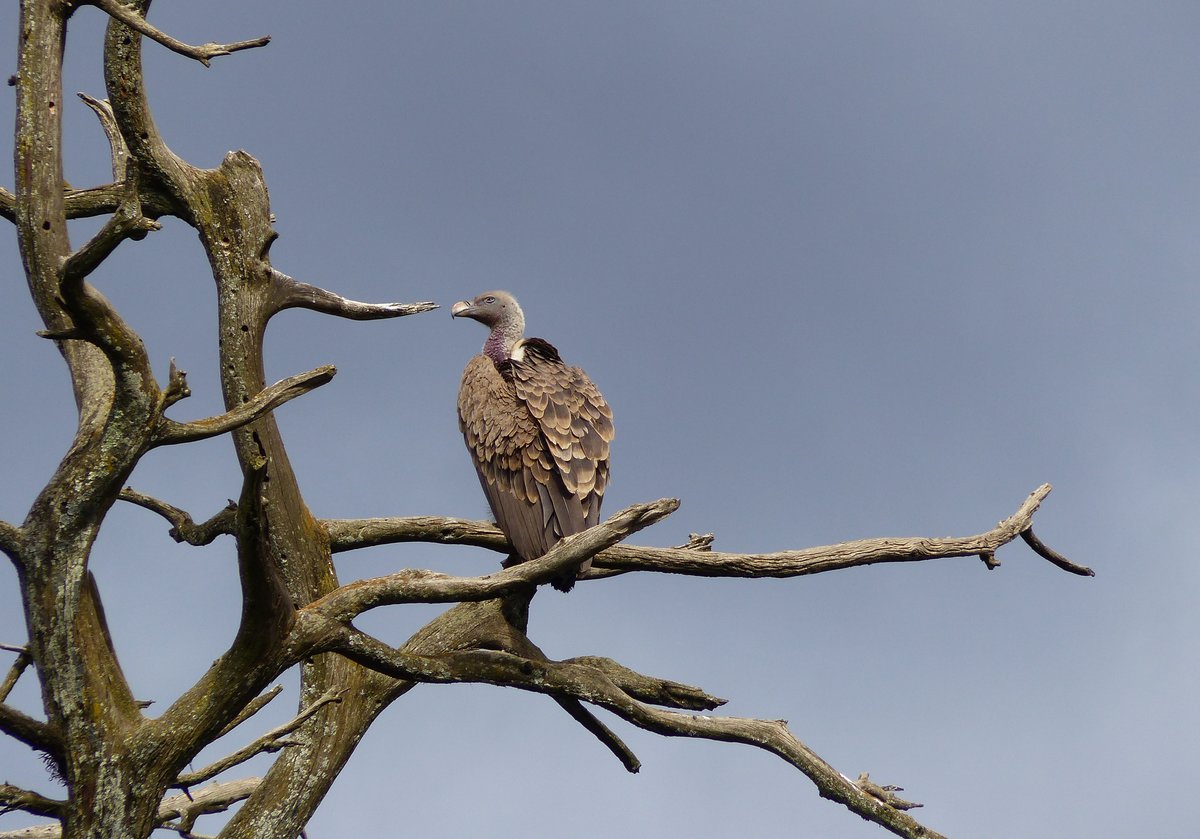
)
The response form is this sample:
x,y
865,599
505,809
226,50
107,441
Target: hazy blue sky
x,y
843,269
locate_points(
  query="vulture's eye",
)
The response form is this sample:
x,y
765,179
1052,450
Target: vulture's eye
x,y
489,300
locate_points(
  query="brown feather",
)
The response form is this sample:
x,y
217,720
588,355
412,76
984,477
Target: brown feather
x,y
539,434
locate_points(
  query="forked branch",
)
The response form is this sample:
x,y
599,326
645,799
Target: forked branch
x,y
16,798
266,400
176,812
587,684
183,528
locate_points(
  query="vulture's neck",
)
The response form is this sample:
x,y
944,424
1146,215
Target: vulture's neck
x,y
499,345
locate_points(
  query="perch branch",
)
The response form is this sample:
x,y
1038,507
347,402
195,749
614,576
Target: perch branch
x,y
429,587
350,534
272,741
203,53
565,679
253,707
267,399
287,293
183,528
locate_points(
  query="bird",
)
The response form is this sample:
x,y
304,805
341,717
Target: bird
x,y
537,430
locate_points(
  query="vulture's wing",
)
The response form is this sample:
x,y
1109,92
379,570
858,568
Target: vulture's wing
x,y
509,453
539,433
576,424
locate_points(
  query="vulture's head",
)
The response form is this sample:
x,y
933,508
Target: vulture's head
x,y
492,308
497,310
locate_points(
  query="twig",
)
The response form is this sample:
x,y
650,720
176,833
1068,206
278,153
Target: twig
x,y
885,793
287,293
266,400
272,741
1054,556
253,707
202,53
601,732
428,587
183,528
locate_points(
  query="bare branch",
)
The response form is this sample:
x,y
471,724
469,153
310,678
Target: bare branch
x,y
203,53
564,679
176,812
1054,556
429,587
214,798
350,534
120,151
885,793
94,201
10,540
36,734
24,659
15,798
272,741
649,689
601,732
126,223
253,707
266,400
287,293
183,528
177,386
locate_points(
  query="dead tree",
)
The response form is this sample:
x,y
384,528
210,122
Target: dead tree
x,y
123,770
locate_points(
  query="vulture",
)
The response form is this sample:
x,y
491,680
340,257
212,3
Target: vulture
x,y
537,430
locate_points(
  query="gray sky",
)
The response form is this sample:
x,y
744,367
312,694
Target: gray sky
x,y
842,269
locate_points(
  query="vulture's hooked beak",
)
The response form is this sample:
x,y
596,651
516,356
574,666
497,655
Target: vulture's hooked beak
x,y
461,309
